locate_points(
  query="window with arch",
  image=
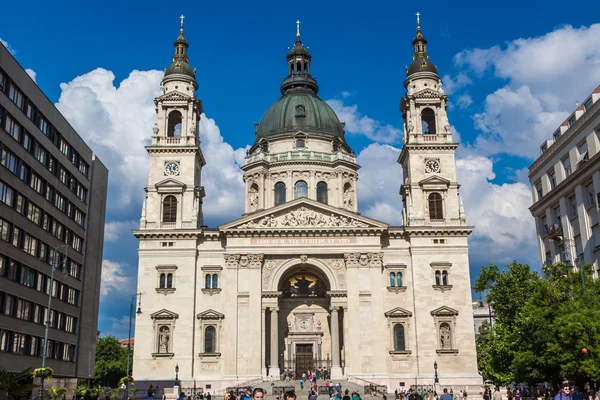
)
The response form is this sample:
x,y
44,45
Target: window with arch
x,y
322,192
392,279
169,209
441,277
165,278
428,120
436,206
399,279
215,281
210,339
300,189
211,279
174,124
279,193
399,342
207,281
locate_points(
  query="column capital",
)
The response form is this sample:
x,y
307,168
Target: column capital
x,y
334,308
274,309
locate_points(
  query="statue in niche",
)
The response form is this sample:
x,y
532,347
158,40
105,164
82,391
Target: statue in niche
x,y
253,197
164,336
445,336
348,197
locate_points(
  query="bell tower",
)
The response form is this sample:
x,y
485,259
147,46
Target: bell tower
x,y
174,193
430,190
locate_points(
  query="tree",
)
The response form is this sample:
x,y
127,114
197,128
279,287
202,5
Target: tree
x,y
111,362
15,386
57,392
542,325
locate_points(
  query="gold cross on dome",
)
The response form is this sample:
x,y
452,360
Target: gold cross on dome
x,y
182,17
418,14
298,28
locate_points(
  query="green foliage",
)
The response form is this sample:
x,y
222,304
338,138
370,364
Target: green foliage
x,y
541,325
15,386
56,392
111,362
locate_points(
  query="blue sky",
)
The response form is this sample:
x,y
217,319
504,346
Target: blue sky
x,y
513,70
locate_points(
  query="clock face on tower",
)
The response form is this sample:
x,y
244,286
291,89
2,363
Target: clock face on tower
x,y
171,168
432,166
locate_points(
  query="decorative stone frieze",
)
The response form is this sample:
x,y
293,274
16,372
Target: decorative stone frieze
x,y
304,217
244,260
354,260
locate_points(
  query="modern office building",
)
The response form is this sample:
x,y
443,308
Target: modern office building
x,y
52,201
565,183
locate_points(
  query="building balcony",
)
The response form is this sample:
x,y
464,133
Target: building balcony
x,y
300,156
555,232
428,138
174,140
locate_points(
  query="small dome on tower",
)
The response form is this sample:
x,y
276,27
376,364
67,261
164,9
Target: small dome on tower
x,y
421,61
180,64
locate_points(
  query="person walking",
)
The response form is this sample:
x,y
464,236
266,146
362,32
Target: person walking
x,y
445,396
565,393
302,382
497,395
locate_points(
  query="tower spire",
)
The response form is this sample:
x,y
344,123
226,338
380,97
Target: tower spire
x,y
181,45
298,30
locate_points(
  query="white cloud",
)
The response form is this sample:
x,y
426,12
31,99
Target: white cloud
x,y
10,49
358,123
504,228
379,183
114,230
221,176
31,73
545,76
114,278
107,117
346,94
451,85
464,101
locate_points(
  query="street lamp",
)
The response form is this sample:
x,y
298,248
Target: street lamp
x,y
139,311
436,380
55,265
177,375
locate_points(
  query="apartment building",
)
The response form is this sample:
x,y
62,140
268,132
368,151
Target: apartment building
x,y
52,207
565,182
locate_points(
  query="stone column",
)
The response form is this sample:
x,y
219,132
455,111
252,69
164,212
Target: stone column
x,y
274,367
336,370
263,342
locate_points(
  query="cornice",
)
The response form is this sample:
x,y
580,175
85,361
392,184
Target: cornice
x,y
439,230
565,138
175,149
268,164
564,188
303,232
168,233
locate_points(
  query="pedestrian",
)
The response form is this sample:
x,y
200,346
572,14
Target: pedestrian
x,y
346,396
497,395
181,396
302,382
208,396
518,394
445,396
577,394
565,393
313,396
257,394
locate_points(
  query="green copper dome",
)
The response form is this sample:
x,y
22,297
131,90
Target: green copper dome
x,y
300,111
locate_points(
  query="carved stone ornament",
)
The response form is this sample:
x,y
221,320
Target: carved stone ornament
x,y
304,217
303,258
363,259
232,260
244,260
269,266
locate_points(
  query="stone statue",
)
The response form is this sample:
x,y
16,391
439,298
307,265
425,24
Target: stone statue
x,y
253,197
348,198
445,337
164,336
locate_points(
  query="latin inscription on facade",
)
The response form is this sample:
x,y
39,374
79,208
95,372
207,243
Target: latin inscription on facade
x,y
301,241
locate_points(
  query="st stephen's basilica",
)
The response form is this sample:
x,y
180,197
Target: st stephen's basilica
x,y
302,281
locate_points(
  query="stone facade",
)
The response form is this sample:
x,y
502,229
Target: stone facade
x,y
302,280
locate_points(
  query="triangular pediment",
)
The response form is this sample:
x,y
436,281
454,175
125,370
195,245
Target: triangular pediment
x,y
174,96
398,312
434,181
427,94
170,184
444,311
210,314
303,214
164,314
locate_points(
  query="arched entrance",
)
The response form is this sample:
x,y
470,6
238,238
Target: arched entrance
x,y
302,335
